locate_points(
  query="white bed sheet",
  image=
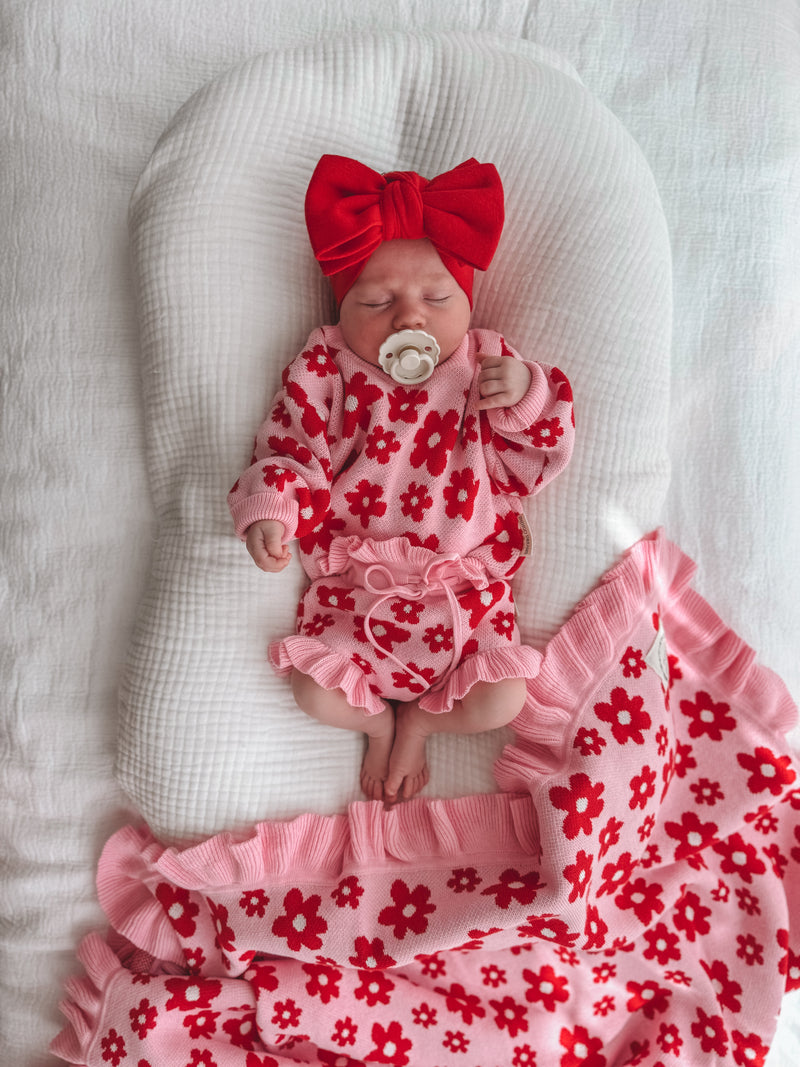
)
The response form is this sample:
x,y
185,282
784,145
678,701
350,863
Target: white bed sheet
x,y
711,91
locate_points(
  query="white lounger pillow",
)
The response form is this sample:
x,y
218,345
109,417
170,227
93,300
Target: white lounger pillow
x,y
228,291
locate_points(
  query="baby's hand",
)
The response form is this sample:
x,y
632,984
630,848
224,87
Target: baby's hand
x,y
502,381
265,544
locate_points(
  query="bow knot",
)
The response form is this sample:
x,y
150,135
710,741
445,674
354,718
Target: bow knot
x,y
351,209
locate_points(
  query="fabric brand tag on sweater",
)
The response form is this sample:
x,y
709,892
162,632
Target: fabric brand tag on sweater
x,y
527,536
657,656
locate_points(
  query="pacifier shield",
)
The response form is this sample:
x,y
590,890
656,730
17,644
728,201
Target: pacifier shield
x,y
409,356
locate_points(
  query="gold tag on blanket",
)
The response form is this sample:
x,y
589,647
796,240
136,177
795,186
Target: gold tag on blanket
x,y
527,536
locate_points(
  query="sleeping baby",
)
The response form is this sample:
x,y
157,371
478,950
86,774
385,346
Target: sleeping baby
x,y
397,454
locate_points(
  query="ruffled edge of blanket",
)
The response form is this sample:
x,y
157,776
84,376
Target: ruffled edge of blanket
x,y
83,1004
654,575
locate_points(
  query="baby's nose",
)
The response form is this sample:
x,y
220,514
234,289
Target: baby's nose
x,y
410,316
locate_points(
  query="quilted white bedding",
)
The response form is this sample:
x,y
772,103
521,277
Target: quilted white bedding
x,y
710,92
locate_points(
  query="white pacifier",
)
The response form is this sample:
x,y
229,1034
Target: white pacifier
x,y
409,356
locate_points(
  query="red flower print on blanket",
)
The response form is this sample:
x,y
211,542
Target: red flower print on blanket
x,y
633,899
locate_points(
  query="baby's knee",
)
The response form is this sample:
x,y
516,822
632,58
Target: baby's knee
x,y
497,703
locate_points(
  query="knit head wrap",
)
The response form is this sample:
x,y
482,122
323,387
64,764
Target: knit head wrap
x,y
351,210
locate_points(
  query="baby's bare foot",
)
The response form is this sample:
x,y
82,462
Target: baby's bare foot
x,y
375,766
408,769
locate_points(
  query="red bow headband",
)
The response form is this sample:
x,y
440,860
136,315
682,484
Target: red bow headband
x,y
351,210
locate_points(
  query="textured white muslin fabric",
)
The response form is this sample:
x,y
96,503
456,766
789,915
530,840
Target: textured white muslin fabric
x,y
228,290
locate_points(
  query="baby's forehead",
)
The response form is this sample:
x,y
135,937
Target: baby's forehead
x,y
403,262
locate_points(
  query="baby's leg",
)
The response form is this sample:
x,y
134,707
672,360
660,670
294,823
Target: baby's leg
x,y
331,707
487,706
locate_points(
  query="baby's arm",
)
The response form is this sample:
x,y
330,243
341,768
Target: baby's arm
x,y
265,544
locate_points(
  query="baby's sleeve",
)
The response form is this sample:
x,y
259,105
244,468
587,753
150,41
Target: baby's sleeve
x,y
529,444
289,477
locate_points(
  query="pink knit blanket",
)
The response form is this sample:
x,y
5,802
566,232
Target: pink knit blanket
x,y
631,895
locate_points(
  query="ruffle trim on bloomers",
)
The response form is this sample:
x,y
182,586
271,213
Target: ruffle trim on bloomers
x,y
332,670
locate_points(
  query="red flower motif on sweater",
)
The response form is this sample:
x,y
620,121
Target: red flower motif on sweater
x,y
748,1050
545,433
546,988
300,924
409,911
609,836
662,945
669,1039
548,928
504,623
277,477
464,880
564,388
581,801
344,1032
707,717
312,422
439,638
506,539
189,994
415,501
312,509
509,1015
371,955
616,874
143,1018
254,902
381,445
739,857
403,404
579,874
691,834
582,1050
691,917
790,964
242,1032
202,1025
317,626
323,981
594,928
727,991
365,502
514,888
711,1033
434,441
289,448
642,786
319,360
768,772
462,1003
359,398
626,716
460,494
385,632
390,1045
589,742
641,897
348,893
648,997
375,988
223,933
632,662
178,908
337,597
286,1014
407,680
477,602
113,1046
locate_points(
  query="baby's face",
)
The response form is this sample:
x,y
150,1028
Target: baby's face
x,y
404,286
